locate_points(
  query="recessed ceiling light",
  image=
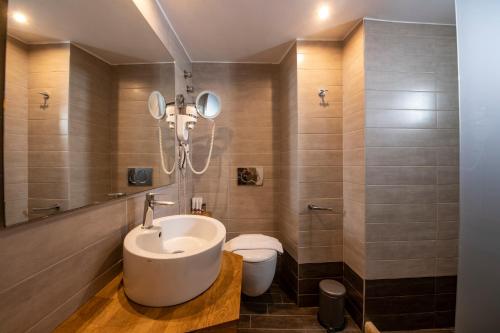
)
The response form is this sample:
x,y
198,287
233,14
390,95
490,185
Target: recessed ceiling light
x,y
20,17
300,57
324,12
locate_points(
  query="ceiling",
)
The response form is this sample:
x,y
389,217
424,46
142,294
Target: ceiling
x,y
114,30
263,30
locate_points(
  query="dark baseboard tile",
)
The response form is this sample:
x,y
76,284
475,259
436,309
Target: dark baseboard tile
x,y
305,300
310,275
354,285
392,304
411,303
405,321
320,270
354,312
288,276
301,281
400,287
356,281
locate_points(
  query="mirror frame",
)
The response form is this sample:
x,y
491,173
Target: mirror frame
x,y
198,99
3,45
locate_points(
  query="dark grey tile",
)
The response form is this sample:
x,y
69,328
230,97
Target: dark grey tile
x,y
253,308
355,312
308,300
399,287
285,322
399,304
311,286
274,289
244,321
264,330
445,302
289,299
444,319
407,321
264,298
275,312
291,309
446,284
320,270
288,263
353,278
354,296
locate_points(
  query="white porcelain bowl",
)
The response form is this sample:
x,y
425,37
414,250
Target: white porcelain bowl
x,y
174,261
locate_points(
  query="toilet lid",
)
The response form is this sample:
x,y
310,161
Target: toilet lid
x,y
256,255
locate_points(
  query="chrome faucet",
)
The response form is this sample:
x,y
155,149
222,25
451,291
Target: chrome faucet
x,y
149,204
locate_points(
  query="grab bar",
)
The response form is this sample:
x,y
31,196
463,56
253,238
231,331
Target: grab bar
x,y
116,195
314,207
42,209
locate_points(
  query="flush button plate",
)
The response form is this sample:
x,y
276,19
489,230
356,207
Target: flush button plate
x,y
140,176
250,176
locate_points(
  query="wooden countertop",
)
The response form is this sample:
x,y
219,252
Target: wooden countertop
x,y
111,311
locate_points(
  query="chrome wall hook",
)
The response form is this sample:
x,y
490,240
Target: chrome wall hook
x,y
187,75
45,103
322,94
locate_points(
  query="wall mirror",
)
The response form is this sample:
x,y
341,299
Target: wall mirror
x,y
208,105
77,129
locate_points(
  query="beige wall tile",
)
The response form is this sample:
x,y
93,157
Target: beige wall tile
x,y
396,175
376,232
401,118
24,304
319,141
392,137
407,156
401,194
395,269
21,251
412,153
402,250
245,138
399,213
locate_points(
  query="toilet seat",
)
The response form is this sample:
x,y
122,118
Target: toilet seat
x,y
258,255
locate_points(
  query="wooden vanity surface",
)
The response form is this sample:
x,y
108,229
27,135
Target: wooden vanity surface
x,y
111,311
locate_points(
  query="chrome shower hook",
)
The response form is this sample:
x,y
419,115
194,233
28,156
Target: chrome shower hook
x,y
322,94
45,103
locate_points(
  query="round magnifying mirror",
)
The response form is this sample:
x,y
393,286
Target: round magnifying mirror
x,y
208,104
156,105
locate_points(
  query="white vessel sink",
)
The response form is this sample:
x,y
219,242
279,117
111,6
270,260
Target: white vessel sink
x,y
174,261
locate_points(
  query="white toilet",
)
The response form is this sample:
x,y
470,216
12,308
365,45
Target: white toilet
x,y
260,255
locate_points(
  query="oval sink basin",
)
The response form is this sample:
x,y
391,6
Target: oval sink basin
x,y
174,261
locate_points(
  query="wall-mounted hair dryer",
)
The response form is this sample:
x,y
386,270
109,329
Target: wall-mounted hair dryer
x,y
183,118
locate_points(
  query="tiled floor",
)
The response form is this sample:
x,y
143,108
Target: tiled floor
x,y
274,312
424,331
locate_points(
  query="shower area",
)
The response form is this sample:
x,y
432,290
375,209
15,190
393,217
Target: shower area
x,y
380,148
